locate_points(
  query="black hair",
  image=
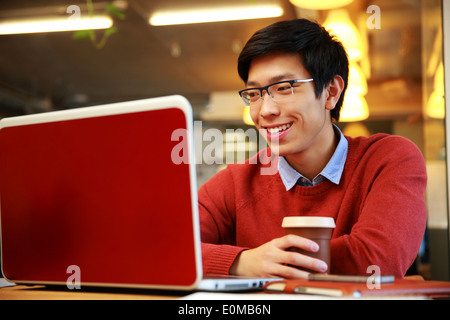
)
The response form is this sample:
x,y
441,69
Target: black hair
x,y
322,54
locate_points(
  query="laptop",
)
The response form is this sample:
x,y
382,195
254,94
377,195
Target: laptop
x,y
104,196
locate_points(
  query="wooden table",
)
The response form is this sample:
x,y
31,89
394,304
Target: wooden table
x,y
22,292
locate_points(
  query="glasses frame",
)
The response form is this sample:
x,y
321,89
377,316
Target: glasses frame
x,y
266,88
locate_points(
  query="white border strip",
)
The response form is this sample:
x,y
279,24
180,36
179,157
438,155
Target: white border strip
x,y
446,59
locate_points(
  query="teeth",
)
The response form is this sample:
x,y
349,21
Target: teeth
x,y
279,129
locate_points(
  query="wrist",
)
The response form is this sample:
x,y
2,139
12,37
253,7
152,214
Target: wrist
x,y
236,266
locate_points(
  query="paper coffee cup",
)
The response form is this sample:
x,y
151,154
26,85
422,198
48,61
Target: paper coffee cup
x,y
317,229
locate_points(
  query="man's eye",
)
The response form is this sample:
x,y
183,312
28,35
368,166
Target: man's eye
x,y
283,88
253,94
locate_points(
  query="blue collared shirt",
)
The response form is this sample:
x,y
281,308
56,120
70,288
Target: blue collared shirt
x,y
332,171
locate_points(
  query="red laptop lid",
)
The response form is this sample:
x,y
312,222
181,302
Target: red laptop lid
x,y
97,188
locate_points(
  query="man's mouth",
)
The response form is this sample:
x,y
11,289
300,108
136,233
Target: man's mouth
x,y
279,129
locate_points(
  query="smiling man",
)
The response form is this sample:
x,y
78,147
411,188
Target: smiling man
x,y
296,75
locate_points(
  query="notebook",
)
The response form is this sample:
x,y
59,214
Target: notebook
x,y
355,289
104,196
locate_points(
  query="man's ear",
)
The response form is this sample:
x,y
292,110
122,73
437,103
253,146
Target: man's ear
x,y
334,91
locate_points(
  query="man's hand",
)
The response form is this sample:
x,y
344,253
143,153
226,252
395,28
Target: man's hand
x,y
272,260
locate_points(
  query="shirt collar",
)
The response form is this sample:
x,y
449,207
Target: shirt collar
x,y
332,171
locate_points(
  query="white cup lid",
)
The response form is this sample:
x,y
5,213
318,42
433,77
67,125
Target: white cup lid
x,y
308,222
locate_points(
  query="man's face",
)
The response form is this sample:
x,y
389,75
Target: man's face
x,y
299,123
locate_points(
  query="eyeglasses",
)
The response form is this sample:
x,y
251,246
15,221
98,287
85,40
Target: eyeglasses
x,y
278,91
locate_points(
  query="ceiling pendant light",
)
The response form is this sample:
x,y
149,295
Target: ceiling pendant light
x,y
355,107
320,5
357,79
338,22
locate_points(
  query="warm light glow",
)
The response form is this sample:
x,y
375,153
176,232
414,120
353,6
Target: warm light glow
x,y
439,76
357,79
355,107
321,4
436,103
214,15
54,25
246,116
356,129
338,22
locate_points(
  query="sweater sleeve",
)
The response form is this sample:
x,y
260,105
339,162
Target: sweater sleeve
x,y
392,211
218,223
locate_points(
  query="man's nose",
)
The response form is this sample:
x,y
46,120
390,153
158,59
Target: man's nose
x,y
268,106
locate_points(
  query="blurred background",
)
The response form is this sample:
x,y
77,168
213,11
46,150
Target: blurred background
x,y
396,83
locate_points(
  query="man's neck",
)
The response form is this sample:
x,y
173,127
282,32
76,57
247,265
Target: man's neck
x,y
311,161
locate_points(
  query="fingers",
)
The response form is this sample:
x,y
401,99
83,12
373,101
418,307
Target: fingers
x,y
273,259
292,258
289,272
290,240
296,259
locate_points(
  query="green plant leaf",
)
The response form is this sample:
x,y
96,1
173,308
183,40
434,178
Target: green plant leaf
x,y
111,8
82,34
110,31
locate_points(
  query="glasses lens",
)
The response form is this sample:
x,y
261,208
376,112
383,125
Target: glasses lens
x,y
250,96
280,91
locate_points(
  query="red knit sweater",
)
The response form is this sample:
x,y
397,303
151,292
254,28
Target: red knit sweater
x,y
379,208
